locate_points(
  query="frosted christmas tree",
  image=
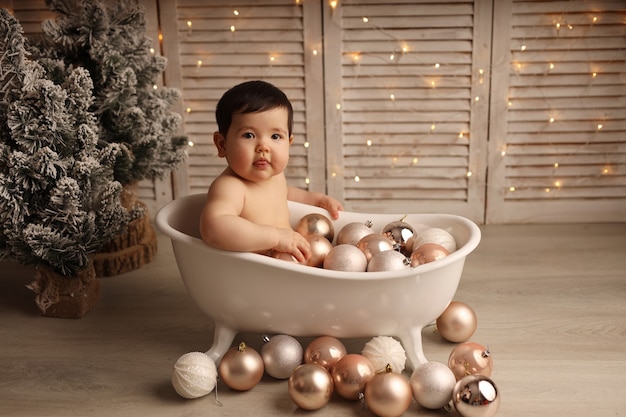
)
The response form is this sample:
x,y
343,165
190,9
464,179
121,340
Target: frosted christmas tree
x,y
59,202
110,41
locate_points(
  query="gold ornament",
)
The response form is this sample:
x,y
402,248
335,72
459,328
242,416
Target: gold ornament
x,y
351,374
388,394
374,243
310,386
320,247
324,351
476,396
457,323
427,252
241,367
470,358
316,224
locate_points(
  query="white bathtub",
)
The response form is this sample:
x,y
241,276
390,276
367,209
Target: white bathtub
x,y
247,292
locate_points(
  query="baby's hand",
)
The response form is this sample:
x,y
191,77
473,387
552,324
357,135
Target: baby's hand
x,y
332,205
292,242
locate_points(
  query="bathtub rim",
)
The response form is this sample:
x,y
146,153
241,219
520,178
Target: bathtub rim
x,y
165,213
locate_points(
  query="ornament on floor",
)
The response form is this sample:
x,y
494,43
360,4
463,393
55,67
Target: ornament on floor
x,y
389,260
457,323
388,394
426,253
194,375
351,233
351,374
432,384
316,224
325,351
281,355
374,243
476,396
383,351
399,232
241,367
320,247
346,257
310,386
435,235
470,358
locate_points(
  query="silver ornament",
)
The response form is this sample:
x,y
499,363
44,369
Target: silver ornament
x,y
346,257
399,232
476,396
432,384
281,355
389,260
351,233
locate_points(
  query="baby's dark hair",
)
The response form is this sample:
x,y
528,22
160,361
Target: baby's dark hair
x,y
250,97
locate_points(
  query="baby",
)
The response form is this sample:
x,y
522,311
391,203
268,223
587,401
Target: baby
x,y
246,207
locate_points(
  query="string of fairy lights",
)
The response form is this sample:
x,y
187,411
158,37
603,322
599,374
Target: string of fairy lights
x,y
563,26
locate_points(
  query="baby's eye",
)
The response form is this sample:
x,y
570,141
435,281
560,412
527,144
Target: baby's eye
x,y
276,136
248,135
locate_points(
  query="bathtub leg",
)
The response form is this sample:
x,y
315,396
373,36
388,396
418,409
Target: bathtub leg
x,y
412,342
222,340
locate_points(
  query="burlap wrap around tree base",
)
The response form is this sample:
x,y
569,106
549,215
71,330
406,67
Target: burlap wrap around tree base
x,y
65,297
130,250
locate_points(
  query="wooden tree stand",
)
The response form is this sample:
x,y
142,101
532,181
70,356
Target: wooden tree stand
x,y
65,297
132,249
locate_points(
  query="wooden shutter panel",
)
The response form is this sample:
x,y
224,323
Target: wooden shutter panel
x,y
558,138
408,95
221,44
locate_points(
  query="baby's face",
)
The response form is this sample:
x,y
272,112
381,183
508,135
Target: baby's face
x,y
257,144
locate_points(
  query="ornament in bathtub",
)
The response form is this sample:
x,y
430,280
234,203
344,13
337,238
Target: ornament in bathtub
x,y
359,248
397,297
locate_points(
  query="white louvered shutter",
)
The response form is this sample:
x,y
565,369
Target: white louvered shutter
x,y
558,112
407,96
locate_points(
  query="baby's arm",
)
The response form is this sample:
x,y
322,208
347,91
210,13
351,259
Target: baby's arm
x,y
315,199
222,227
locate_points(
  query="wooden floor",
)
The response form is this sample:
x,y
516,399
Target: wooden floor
x,y
550,300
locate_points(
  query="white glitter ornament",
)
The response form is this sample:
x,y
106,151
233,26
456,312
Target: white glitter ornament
x,y
281,355
194,375
435,235
345,257
351,233
383,351
432,384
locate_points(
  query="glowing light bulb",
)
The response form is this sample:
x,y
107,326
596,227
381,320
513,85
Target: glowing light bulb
x,y
469,174
236,12
189,24
392,57
232,28
190,143
503,153
333,4
476,98
155,87
594,74
523,48
437,65
556,164
461,135
152,51
595,19
405,49
365,19
392,97
188,110
605,171
433,127
357,178
368,142
307,144
558,26
415,161
338,106
600,126
551,66
547,189
551,120
307,180
272,58
315,52
557,184
511,189
199,63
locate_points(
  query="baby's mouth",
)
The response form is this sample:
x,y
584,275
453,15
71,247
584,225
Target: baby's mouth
x,y
261,163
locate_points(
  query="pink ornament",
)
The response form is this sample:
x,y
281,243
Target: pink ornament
x,y
374,243
316,224
388,394
476,396
389,260
470,358
346,257
351,374
241,367
427,252
324,351
457,323
320,247
351,233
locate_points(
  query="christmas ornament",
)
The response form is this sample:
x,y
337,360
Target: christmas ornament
x,y
457,323
316,224
435,235
320,247
194,375
432,384
383,351
350,375
470,358
399,232
476,396
324,351
281,355
241,367
389,260
310,386
346,257
351,233
374,243
427,252
388,394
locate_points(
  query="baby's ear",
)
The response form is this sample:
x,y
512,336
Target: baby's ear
x,y
220,143
290,139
